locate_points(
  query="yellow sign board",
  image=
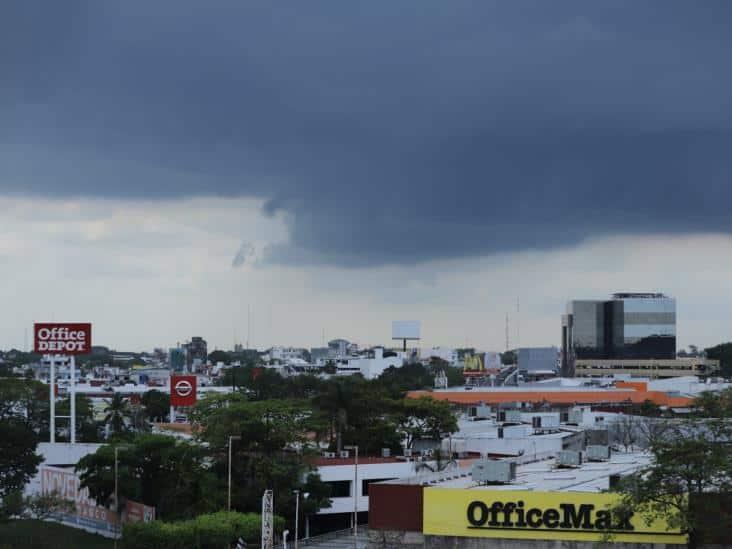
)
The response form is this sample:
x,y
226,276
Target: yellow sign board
x,y
521,514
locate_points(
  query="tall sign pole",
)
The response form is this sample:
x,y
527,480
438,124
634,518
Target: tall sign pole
x,y
52,396
62,339
267,520
72,392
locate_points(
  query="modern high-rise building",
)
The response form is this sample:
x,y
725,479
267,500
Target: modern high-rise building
x,y
629,326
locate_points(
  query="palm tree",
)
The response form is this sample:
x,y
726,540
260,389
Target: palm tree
x,y
117,413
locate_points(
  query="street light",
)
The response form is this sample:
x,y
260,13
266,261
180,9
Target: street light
x,y
116,483
355,491
297,514
231,438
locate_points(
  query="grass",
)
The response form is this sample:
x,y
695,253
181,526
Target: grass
x,y
38,534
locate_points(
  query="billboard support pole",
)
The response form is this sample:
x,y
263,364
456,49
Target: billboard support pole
x,y
52,397
73,399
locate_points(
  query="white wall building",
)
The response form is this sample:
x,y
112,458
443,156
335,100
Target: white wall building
x,y
447,354
369,366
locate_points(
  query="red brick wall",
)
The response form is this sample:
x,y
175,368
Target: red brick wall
x,y
395,507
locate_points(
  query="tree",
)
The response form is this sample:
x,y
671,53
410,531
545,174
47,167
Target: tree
x,y
690,472
219,356
424,418
625,431
156,470
723,353
710,404
157,405
18,458
509,357
271,452
117,414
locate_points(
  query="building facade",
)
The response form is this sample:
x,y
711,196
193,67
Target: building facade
x,y
629,326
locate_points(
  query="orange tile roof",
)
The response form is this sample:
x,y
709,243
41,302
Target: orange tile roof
x,y
555,397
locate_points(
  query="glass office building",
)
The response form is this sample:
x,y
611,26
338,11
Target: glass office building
x,y
628,326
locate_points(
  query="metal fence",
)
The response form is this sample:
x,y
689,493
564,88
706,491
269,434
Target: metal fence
x,y
340,539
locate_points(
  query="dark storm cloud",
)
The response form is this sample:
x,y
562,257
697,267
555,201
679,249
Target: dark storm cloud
x,y
387,132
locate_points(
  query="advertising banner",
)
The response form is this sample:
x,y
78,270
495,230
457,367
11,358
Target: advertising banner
x,y
520,514
62,338
87,514
182,390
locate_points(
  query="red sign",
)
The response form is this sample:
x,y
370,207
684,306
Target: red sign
x,y
182,390
62,338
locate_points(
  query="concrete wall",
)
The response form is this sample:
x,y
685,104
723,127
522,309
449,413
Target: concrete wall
x,y
390,539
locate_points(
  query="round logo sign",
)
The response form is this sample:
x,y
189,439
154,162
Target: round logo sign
x,y
183,388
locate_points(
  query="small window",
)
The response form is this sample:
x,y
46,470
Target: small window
x,y
340,488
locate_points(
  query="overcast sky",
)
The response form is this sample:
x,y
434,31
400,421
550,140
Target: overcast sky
x,y
331,166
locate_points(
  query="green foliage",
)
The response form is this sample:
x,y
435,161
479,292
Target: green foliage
x,y
156,470
156,405
691,466
18,458
509,357
714,404
25,401
212,531
87,429
424,418
219,356
118,413
723,353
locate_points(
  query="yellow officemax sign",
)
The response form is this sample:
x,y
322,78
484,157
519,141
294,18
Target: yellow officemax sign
x,y
521,514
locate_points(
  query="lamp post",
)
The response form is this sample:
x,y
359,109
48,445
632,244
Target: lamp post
x,y
355,490
228,501
297,514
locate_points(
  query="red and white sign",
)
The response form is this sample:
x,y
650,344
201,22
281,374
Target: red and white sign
x,y
182,390
62,338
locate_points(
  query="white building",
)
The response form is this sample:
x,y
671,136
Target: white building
x,y
447,354
369,366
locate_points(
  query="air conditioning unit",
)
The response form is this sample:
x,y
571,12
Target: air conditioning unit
x,y
407,452
344,454
488,471
597,437
329,454
513,416
569,458
575,416
598,453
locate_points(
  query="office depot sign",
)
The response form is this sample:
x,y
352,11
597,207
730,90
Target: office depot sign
x,y
182,390
62,338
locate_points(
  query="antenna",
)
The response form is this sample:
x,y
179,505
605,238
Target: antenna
x,y
507,337
518,324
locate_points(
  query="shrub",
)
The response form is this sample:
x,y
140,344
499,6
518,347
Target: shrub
x,y
215,530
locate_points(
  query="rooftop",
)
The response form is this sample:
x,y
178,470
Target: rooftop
x,y
542,475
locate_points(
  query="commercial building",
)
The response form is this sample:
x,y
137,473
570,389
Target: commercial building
x,y
628,327
544,504
196,353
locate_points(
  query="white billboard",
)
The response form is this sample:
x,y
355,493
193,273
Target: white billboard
x,y
405,329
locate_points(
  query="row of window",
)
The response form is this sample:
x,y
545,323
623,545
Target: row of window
x,y
342,488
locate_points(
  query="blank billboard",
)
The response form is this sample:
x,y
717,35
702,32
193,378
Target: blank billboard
x,y
405,329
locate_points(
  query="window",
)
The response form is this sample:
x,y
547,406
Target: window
x,y
365,484
340,488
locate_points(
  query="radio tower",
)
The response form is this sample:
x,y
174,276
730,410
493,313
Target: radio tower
x,y
507,337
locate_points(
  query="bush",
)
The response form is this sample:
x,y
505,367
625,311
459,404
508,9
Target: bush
x,y
215,530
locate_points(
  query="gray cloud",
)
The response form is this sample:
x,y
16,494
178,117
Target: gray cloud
x,y
386,134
